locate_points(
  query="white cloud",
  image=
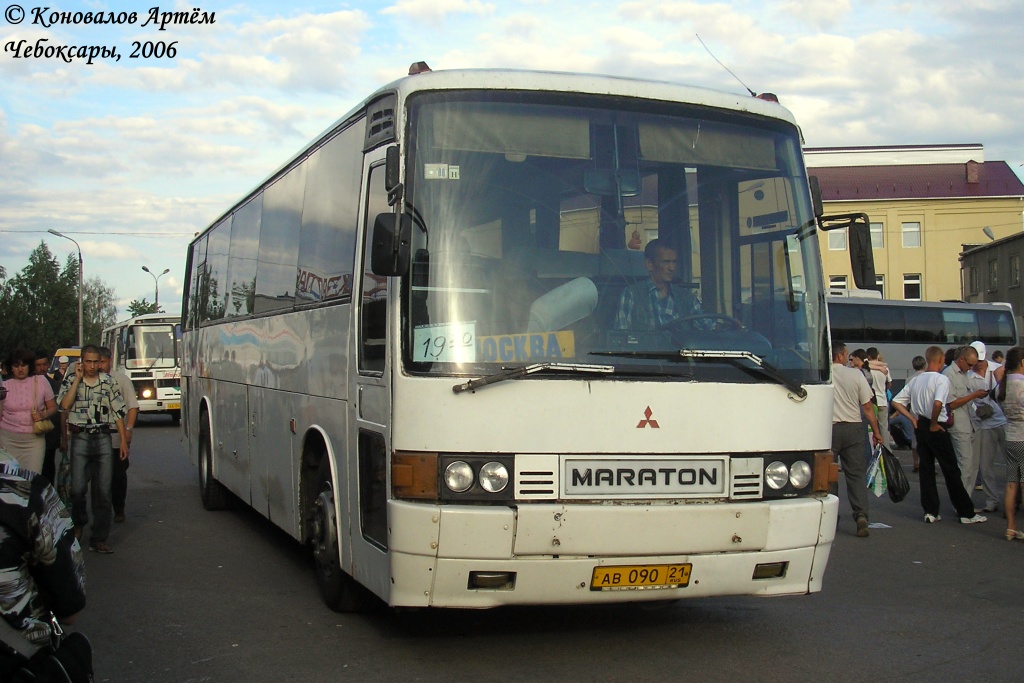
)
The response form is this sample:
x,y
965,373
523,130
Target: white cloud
x,y
436,10
819,14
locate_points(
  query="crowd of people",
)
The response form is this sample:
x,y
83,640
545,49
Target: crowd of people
x,y
64,446
962,411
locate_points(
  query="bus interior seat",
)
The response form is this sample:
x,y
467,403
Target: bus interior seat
x,y
563,306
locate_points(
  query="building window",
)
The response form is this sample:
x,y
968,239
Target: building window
x,y
837,282
1014,270
993,275
972,279
877,235
911,235
912,286
880,284
837,240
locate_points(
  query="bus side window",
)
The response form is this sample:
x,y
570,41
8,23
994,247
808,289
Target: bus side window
x,y
373,306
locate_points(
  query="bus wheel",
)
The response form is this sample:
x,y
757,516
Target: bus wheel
x,y
176,417
339,590
212,492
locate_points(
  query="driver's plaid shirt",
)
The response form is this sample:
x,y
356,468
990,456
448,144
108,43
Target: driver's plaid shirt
x,y
663,310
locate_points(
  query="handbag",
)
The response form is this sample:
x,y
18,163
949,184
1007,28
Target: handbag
x,y
896,483
984,410
67,659
44,425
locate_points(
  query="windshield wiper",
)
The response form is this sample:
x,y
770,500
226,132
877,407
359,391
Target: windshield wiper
x,y
524,370
760,366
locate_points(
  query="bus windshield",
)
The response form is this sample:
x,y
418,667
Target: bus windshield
x,y
659,239
151,346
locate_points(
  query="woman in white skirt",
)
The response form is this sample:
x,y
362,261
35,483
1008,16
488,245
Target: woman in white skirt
x,y
1010,394
29,400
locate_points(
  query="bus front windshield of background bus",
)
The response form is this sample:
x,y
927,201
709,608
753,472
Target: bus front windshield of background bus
x,y
151,347
532,212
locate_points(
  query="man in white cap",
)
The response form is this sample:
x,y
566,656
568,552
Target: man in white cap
x,y
63,361
960,404
990,422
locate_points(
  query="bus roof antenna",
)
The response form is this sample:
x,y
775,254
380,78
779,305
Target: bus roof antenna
x,y
752,93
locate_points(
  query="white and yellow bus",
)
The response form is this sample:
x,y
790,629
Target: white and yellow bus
x,y
402,347
146,348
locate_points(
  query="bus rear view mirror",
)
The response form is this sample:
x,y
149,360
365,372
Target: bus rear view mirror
x,y
862,260
816,202
389,255
608,182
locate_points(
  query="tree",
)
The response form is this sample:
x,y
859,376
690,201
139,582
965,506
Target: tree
x,y
143,307
99,310
39,305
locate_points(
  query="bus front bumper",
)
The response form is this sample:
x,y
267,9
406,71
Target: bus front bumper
x,y
458,556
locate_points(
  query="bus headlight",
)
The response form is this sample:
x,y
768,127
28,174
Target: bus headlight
x,y
776,475
493,477
800,474
458,476
146,393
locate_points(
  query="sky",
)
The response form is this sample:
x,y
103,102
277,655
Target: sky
x,y
131,158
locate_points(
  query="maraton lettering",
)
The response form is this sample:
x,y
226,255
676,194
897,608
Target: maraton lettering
x,y
664,476
193,18
42,16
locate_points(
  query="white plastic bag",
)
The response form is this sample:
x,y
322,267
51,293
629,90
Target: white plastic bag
x,y
876,474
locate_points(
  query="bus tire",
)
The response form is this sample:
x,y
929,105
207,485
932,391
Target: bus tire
x,y
176,417
211,491
339,591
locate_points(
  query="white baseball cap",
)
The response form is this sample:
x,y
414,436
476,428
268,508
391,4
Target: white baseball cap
x,y
980,348
63,359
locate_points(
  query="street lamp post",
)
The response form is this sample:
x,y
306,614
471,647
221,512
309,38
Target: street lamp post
x,y
80,290
156,285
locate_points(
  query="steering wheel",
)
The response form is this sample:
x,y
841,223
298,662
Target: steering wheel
x,y
730,322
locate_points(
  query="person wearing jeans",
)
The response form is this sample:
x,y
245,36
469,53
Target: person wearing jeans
x,y
94,407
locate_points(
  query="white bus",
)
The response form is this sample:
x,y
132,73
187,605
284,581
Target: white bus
x,y
147,349
904,329
402,347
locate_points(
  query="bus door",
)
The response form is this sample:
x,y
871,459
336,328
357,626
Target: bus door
x,y
370,407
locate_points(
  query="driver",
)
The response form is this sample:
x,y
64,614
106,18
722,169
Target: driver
x,y
653,303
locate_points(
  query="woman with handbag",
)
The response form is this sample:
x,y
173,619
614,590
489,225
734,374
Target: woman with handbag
x,y
1011,396
27,411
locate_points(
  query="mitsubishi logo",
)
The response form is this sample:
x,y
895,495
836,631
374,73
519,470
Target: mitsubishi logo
x,y
647,421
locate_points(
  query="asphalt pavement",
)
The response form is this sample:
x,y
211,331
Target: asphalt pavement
x,y
191,595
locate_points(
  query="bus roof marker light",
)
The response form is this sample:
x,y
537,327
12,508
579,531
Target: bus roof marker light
x,y
418,68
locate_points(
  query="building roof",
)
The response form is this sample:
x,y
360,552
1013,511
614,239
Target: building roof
x,y
917,181
877,155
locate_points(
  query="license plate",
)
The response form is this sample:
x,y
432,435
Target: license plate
x,y
640,577
173,406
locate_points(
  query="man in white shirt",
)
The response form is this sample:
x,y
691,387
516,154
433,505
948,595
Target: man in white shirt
x,y
119,479
923,402
960,401
849,439
990,444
